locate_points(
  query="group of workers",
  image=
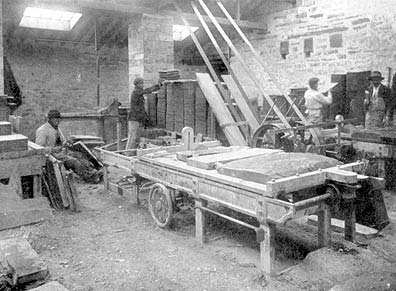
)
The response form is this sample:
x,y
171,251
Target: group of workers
x,y
379,105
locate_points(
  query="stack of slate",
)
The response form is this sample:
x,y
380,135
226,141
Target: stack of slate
x,y
189,103
161,107
170,74
201,112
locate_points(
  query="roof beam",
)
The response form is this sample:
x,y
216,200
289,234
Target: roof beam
x,y
126,8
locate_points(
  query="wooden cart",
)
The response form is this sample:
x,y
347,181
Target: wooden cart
x,y
172,176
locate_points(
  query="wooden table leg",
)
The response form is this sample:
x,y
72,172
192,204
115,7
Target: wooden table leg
x,y
200,221
267,249
350,221
324,226
106,178
37,191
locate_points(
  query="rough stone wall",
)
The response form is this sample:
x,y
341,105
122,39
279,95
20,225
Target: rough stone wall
x,y
1,51
150,48
59,76
363,34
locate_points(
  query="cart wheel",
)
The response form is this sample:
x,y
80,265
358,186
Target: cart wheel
x,y
261,138
160,205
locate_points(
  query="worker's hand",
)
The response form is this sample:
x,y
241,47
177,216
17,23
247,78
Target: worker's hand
x,y
366,102
161,81
68,144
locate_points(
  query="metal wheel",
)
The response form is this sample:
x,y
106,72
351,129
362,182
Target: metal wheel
x,y
160,205
263,139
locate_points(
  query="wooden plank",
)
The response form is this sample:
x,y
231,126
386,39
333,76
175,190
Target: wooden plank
x,y
222,56
223,93
209,162
251,74
241,102
59,179
342,176
339,226
267,249
65,183
264,65
37,186
73,191
200,221
232,132
183,156
13,142
5,128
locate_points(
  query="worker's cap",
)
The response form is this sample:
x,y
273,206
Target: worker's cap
x,y
138,81
313,81
53,113
375,75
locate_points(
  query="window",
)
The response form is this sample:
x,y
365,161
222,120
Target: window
x,y
308,47
180,32
336,40
284,49
49,19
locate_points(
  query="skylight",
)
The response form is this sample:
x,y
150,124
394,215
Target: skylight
x,y
49,19
180,32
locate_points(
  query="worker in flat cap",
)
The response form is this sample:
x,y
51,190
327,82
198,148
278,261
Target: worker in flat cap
x,y
377,103
50,136
137,116
315,101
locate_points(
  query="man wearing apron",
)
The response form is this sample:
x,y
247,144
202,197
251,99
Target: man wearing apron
x,y
376,102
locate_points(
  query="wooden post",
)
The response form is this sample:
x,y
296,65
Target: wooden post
x,y
106,178
97,64
119,138
37,186
200,221
267,249
350,221
101,123
324,226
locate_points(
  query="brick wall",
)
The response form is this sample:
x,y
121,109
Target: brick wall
x,y
52,75
363,34
150,47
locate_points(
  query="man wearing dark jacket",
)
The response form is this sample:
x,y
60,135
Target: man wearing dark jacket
x,y
137,116
377,103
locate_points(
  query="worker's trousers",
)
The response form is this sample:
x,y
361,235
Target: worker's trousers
x,y
134,133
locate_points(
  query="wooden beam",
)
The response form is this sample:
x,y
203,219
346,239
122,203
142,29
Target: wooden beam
x,y
79,5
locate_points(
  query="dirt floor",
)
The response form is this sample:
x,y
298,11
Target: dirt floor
x,y
113,244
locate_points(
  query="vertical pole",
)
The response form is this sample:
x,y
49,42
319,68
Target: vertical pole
x,y
97,64
119,125
324,226
106,178
267,249
350,221
238,10
200,221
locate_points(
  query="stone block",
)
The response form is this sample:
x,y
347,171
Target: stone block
x,y
5,128
25,263
51,286
13,142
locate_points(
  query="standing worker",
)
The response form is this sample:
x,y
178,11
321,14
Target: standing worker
x,y
314,101
377,102
137,116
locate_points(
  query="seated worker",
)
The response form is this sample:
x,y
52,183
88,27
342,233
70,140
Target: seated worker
x,y
51,137
137,116
314,101
377,103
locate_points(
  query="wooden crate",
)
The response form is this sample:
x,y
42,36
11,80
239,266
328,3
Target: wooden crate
x,y
13,143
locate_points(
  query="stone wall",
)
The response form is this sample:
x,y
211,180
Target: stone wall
x,y
52,75
150,48
353,35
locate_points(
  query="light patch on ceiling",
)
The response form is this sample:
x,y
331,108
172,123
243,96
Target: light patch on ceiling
x,y
180,32
49,19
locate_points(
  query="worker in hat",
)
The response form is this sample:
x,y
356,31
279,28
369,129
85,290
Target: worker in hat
x,y
137,116
50,136
377,102
315,100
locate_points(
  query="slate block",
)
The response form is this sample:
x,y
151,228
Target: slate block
x,y
13,143
5,128
51,286
25,263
